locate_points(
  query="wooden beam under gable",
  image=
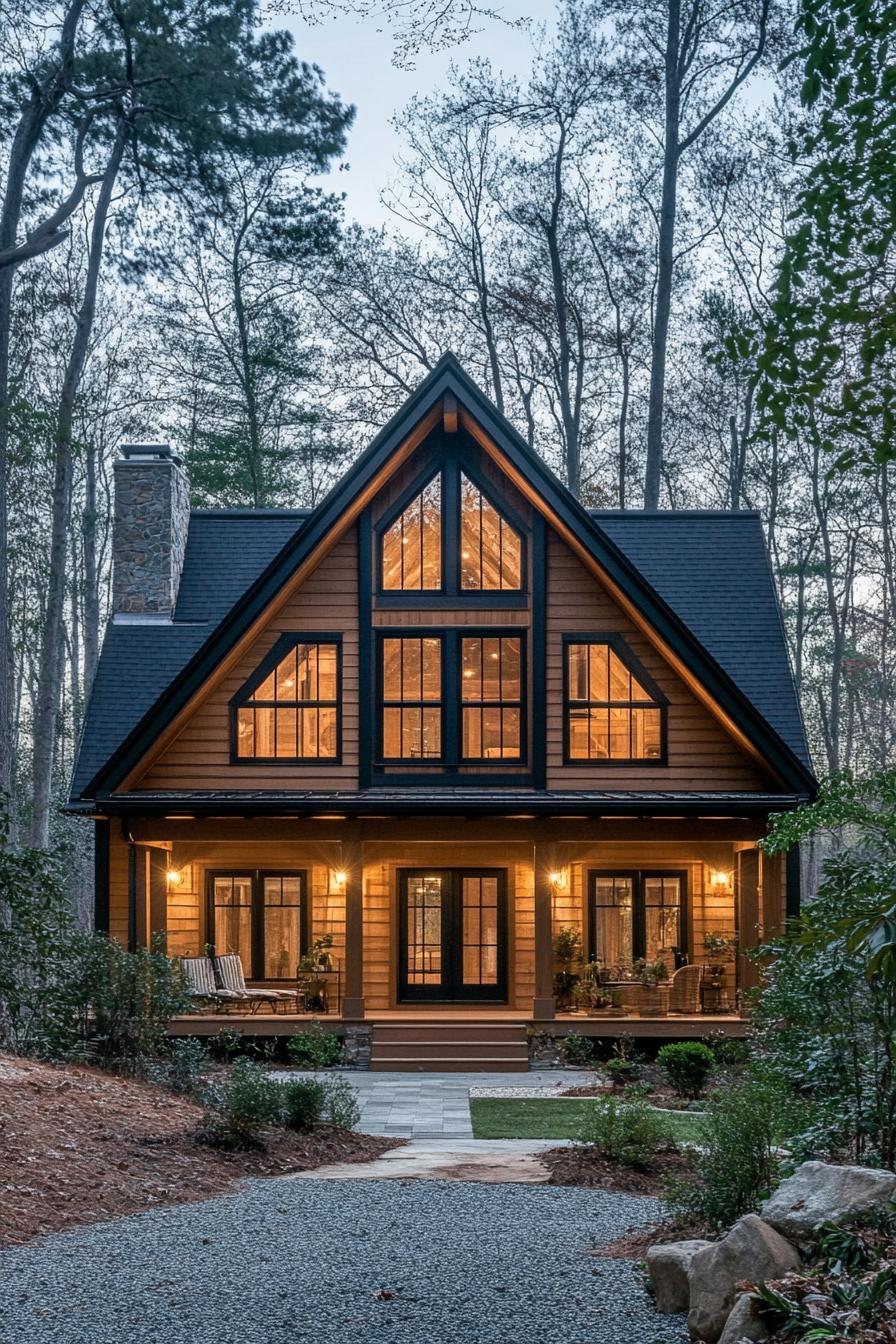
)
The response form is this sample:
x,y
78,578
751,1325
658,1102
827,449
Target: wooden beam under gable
x,y
239,648
622,599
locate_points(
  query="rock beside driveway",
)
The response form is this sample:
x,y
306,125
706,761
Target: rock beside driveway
x,y
668,1266
752,1252
818,1193
743,1323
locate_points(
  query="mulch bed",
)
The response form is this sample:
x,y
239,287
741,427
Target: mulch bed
x,y
80,1146
635,1244
575,1165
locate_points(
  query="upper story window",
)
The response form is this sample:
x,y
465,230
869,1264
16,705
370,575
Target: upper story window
x,y
613,711
491,550
289,709
452,698
412,545
451,541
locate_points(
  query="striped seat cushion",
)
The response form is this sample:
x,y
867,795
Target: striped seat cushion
x,y
229,970
200,976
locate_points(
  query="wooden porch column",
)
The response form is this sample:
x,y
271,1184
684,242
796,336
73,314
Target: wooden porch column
x,y
545,860
353,866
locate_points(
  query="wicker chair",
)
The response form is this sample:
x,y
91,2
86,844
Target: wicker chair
x,y
685,995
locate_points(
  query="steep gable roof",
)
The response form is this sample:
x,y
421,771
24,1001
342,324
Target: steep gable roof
x,y
781,743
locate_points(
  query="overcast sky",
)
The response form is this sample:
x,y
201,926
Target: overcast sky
x,y
357,62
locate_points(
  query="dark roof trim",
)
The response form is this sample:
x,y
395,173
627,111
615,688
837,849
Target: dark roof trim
x,y
449,377
446,803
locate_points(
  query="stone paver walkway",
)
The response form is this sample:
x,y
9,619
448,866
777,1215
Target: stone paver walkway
x,y
437,1105
490,1161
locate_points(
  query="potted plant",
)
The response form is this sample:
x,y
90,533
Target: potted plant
x,y
581,997
316,959
567,951
719,952
653,992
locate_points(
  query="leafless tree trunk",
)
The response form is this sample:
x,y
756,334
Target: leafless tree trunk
x,y
51,659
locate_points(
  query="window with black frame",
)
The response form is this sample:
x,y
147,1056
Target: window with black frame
x,y
292,713
612,711
260,916
636,913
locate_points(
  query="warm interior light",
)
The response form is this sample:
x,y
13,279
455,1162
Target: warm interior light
x,y
173,877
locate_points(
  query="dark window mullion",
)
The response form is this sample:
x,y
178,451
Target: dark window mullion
x,y
452,681
451,529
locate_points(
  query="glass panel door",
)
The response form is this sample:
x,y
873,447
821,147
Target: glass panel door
x,y
613,904
452,935
232,916
423,920
662,915
282,924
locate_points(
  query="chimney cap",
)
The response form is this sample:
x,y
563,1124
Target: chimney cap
x,y
144,451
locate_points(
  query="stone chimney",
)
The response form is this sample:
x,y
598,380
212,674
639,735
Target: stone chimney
x,y
149,531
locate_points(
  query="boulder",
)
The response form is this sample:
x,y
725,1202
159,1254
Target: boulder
x,y
668,1267
743,1323
751,1253
818,1192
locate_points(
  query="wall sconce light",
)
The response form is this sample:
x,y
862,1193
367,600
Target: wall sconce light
x,y
173,877
719,878
559,879
337,879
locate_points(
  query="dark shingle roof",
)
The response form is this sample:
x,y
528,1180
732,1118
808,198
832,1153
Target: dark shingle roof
x,y
711,568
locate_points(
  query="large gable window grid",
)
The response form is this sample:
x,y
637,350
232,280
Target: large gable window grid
x,y
412,698
614,714
491,698
447,539
451,698
289,711
411,559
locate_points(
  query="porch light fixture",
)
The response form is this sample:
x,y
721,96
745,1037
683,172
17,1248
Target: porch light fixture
x,y
337,880
559,879
173,877
718,877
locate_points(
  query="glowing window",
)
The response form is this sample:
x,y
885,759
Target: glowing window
x,y
412,546
491,550
293,714
610,716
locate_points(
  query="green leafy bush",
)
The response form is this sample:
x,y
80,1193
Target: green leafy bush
x,y
302,1103
240,1106
129,998
186,1064
627,1132
622,1071
314,1048
687,1066
737,1163
340,1106
577,1049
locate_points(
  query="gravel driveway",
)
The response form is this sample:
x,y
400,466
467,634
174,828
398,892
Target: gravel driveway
x,y
342,1262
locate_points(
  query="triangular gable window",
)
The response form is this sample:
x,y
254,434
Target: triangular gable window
x,y
412,545
491,550
613,711
289,709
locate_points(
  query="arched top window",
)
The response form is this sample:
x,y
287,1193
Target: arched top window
x,y
412,545
613,711
491,549
289,709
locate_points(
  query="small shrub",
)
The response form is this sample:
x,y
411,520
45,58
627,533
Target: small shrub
x,y
729,1053
184,1069
737,1163
241,1105
302,1103
577,1049
340,1103
687,1065
226,1043
627,1132
314,1048
622,1072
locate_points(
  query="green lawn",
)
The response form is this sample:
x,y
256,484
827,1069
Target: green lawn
x,y
528,1118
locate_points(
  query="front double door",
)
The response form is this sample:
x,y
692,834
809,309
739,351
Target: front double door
x,y
452,935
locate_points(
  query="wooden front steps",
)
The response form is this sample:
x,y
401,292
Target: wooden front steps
x,y
418,1046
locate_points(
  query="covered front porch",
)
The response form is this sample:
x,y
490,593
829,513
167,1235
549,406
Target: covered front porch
x,y
458,919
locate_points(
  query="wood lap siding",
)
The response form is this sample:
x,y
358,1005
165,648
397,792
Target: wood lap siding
x,y
118,885
701,755
199,757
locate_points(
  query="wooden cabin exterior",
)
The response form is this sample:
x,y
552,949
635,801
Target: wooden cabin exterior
x,y
439,718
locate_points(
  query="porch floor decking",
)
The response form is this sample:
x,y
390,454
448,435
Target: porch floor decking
x,y
286,1024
